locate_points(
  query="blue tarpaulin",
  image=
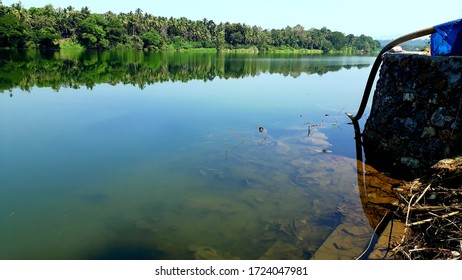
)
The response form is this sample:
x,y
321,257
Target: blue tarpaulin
x,y
448,39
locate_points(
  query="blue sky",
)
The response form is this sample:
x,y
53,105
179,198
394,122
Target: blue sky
x,y
379,19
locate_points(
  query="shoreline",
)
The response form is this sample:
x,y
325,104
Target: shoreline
x,y
426,224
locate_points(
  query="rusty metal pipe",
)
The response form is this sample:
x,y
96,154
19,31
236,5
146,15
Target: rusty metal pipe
x,y
378,61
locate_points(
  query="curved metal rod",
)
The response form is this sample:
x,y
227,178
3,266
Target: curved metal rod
x,y
378,61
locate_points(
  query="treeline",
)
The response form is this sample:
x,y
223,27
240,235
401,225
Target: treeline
x,y
25,69
50,27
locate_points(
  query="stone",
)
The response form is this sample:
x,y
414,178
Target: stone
x,y
440,118
410,162
415,117
409,123
408,96
428,132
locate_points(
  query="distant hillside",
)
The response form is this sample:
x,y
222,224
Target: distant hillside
x,y
414,45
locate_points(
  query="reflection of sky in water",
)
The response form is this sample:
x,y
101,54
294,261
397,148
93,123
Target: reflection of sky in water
x,y
178,170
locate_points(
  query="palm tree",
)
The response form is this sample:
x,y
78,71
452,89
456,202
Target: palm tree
x,y
22,14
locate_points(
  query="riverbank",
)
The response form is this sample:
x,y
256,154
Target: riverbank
x,y
427,224
251,50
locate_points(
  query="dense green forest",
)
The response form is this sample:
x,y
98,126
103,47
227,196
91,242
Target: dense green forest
x,y
49,27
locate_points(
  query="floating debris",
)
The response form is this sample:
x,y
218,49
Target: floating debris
x,y
260,143
232,150
323,151
310,126
235,147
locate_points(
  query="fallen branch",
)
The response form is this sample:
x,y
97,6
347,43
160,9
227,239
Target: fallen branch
x,y
435,208
423,193
431,219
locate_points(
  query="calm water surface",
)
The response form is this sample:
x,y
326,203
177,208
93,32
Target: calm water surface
x,y
176,156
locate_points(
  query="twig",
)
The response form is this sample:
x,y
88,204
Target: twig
x,y
446,218
431,219
429,249
406,224
434,208
423,193
372,237
235,147
260,143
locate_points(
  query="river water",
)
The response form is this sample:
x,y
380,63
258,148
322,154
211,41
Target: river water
x,y
132,155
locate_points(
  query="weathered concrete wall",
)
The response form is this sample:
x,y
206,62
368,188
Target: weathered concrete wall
x,y
415,119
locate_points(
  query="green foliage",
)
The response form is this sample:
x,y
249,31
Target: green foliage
x,y
136,42
13,33
69,44
92,32
338,40
152,40
116,33
43,27
235,34
46,38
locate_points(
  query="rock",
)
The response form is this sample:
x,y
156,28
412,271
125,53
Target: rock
x,y
410,123
415,118
408,96
440,118
410,162
428,132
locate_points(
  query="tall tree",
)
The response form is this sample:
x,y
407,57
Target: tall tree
x,y
152,40
219,39
116,33
13,32
338,40
234,34
92,32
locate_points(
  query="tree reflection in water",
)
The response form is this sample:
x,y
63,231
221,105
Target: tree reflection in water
x,y
75,69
